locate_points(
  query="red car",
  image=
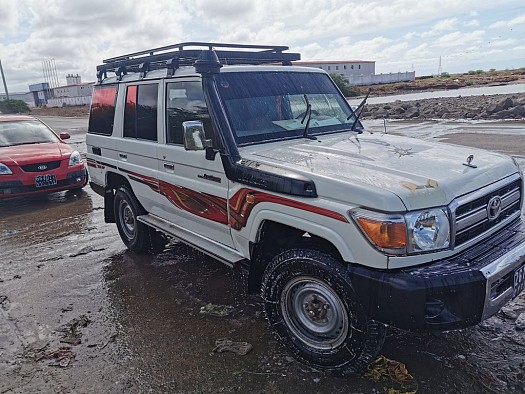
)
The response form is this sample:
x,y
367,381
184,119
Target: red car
x,y
34,159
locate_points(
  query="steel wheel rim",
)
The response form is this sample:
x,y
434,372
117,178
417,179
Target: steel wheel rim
x,y
127,219
314,313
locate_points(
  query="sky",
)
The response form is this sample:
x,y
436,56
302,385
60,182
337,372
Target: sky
x,y
399,35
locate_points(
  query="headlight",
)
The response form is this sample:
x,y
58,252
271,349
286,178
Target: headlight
x,y
412,233
75,158
428,230
4,170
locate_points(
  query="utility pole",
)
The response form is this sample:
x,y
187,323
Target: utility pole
x,y
3,79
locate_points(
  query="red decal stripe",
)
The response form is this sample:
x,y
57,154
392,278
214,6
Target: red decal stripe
x,y
243,202
216,208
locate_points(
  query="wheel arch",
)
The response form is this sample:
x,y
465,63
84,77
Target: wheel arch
x,y
271,236
113,181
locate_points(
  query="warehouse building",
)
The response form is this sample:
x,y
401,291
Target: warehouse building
x,y
359,72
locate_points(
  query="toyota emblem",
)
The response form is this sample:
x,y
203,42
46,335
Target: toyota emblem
x,y
494,208
42,167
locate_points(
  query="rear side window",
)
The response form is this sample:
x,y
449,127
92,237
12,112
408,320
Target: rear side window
x,y
140,113
102,113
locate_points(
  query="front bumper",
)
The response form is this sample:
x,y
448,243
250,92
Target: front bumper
x,y
16,188
449,294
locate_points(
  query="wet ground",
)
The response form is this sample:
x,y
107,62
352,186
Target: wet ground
x,y
78,313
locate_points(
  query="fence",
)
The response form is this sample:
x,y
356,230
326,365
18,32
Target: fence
x,y
68,101
375,79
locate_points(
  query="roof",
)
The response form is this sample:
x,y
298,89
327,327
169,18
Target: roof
x,y
334,62
15,118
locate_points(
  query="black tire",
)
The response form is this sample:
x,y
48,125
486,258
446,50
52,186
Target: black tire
x,y
135,235
311,308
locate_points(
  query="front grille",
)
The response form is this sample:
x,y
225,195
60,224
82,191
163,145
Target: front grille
x,y
472,218
50,165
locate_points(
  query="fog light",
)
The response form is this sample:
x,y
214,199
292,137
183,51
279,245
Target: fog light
x,y
433,308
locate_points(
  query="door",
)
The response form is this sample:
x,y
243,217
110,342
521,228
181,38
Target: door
x,y
195,189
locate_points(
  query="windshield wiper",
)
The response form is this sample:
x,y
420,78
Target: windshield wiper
x,y
358,111
307,114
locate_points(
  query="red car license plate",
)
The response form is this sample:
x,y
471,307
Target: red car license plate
x,y
519,281
45,180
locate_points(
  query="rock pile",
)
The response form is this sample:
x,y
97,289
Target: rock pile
x,y
469,107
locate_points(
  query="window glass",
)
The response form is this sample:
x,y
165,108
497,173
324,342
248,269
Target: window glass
x,y
263,106
147,96
130,129
102,112
185,102
140,113
25,133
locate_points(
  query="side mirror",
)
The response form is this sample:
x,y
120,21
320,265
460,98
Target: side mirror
x,y
64,136
194,137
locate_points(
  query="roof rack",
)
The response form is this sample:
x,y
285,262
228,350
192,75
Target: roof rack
x,y
177,55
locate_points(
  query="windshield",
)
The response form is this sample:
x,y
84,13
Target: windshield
x,y
263,106
25,132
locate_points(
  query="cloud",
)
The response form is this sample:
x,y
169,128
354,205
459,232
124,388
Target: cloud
x,y
508,23
441,26
471,23
80,34
457,38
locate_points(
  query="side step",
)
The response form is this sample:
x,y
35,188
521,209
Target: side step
x,y
214,249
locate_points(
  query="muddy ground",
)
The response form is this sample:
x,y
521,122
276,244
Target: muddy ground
x,y
80,314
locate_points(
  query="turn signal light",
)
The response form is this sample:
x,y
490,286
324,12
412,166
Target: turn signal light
x,y
384,234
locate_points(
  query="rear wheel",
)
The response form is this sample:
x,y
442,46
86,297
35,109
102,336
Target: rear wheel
x,y
312,310
135,235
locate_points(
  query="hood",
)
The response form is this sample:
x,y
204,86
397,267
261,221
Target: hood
x,y
369,170
34,153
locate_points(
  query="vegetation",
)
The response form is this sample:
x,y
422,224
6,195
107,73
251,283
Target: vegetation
x,y
13,106
343,85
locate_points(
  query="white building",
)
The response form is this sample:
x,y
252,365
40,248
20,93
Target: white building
x,y
359,72
74,93
81,89
347,68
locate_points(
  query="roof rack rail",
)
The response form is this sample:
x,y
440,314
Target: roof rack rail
x,y
186,53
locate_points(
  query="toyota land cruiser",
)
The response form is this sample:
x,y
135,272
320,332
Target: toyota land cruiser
x,y
235,151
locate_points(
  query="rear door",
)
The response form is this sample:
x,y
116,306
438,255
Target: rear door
x,y
136,150
195,189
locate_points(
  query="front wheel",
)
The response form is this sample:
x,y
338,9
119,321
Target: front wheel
x,y
312,310
135,235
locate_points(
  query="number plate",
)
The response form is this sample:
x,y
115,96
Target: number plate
x,y
45,180
519,281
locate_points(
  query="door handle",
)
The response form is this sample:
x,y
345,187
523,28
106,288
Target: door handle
x,y
170,167
123,155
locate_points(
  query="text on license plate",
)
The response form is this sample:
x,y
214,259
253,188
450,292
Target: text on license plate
x,y
519,281
45,180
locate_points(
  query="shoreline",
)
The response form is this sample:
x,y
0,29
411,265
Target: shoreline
x,y
484,107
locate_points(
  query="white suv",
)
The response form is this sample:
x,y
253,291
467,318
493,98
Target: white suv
x,y
345,232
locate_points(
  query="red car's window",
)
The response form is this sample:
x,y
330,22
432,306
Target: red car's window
x,y
24,133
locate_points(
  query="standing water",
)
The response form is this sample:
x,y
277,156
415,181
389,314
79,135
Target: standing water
x,y
479,91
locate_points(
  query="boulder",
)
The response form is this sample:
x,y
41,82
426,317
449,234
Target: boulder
x,y
411,113
493,108
505,114
507,103
518,111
